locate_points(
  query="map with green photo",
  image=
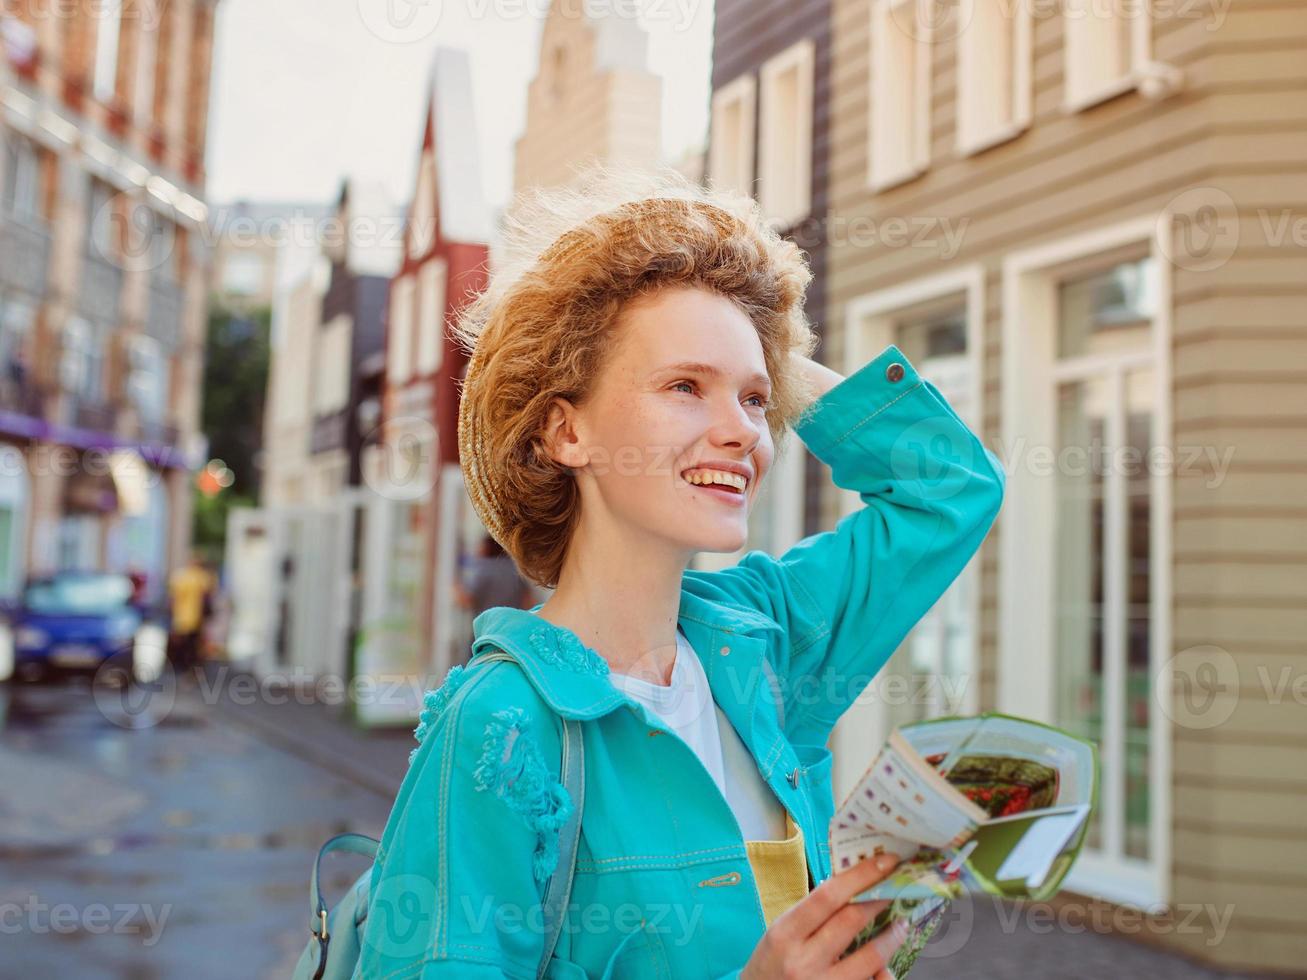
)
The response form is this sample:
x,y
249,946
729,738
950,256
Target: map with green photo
x,y
989,803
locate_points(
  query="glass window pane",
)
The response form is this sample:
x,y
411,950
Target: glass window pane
x,y
1138,676
1082,409
929,675
1108,312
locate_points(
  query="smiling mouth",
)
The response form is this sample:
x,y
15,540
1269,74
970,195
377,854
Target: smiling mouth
x,y
720,480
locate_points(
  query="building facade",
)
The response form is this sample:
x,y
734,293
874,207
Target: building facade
x,y
593,97
445,264
103,273
1079,221
769,137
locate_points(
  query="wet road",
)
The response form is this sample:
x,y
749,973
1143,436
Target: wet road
x,y
135,849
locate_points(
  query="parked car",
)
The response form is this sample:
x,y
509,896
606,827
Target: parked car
x,y
78,621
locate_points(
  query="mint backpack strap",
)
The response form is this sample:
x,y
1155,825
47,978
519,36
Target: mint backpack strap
x,y
559,891
351,844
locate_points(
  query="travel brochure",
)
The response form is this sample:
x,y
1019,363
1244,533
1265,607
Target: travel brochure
x,y
990,803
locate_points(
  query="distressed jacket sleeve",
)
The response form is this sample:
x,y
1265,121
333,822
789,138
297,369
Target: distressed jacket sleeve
x,y
847,597
458,882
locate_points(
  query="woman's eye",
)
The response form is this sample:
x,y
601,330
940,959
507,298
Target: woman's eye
x,y
688,384
760,399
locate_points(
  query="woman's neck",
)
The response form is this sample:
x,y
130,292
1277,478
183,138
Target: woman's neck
x,y
621,601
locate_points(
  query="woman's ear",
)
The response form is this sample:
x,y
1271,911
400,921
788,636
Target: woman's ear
x,y
561,439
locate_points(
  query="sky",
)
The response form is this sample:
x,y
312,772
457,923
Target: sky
x,y
307,92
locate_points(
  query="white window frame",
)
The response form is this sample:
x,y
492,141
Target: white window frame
x,y
883,173
786,202
399,330
976,63
108,31
869,326
431,316
1080,47
730,163
1026,675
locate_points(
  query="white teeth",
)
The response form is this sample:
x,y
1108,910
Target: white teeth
x,y
700,477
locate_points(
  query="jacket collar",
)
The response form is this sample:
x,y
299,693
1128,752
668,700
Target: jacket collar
x,y
573,679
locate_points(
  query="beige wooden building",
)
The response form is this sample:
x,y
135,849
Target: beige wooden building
x,y
1087,226
593,98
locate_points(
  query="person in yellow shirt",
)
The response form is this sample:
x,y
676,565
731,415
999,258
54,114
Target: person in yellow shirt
x,y
188,588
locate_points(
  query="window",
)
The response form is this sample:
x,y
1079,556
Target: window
x,y
422,223
1102,532
1084,590
108,24
731,148
22,177
147,40
431,316
399,333
162,245
1105,51
993,87
81,368
785,140
100,220
333,374
16,319
900,92
147,379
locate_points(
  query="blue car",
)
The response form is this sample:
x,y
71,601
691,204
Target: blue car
x,y
76,621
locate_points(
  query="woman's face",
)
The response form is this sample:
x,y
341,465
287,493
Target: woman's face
x,y
676,423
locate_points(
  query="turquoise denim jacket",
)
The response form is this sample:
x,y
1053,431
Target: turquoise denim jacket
x,y
662,886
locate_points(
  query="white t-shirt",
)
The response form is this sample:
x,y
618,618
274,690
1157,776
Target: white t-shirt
x,y
688,708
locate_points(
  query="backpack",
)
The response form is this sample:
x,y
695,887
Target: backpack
x,y
339,931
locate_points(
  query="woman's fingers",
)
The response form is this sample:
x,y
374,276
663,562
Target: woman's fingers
x,y
838,931
833,894
873,958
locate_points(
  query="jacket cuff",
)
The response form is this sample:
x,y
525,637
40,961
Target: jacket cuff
x,y
856,400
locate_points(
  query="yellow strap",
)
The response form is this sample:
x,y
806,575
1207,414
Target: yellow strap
x,y
780,869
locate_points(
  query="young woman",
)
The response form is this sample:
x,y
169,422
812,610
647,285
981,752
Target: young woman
x,y
631,381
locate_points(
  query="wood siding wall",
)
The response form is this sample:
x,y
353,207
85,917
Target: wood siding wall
x,y
746,34
1239,361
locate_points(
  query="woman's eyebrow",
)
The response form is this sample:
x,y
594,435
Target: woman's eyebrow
x,y
712,370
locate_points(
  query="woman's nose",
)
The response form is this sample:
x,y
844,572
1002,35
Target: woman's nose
x,y
733,426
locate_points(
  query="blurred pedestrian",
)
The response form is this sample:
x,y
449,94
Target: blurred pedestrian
x,y
189,587
492,579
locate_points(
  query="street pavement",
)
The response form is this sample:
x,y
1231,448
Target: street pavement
x,y
174,837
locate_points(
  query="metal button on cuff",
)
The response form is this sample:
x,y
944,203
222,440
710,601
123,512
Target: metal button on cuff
x,y
894,372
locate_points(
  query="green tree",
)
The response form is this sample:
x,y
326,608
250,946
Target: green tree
x,y
235,382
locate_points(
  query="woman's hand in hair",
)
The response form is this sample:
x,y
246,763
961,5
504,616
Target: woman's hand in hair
x,y
806,940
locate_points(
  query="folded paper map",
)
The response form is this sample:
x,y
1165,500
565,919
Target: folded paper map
x,y
990,804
